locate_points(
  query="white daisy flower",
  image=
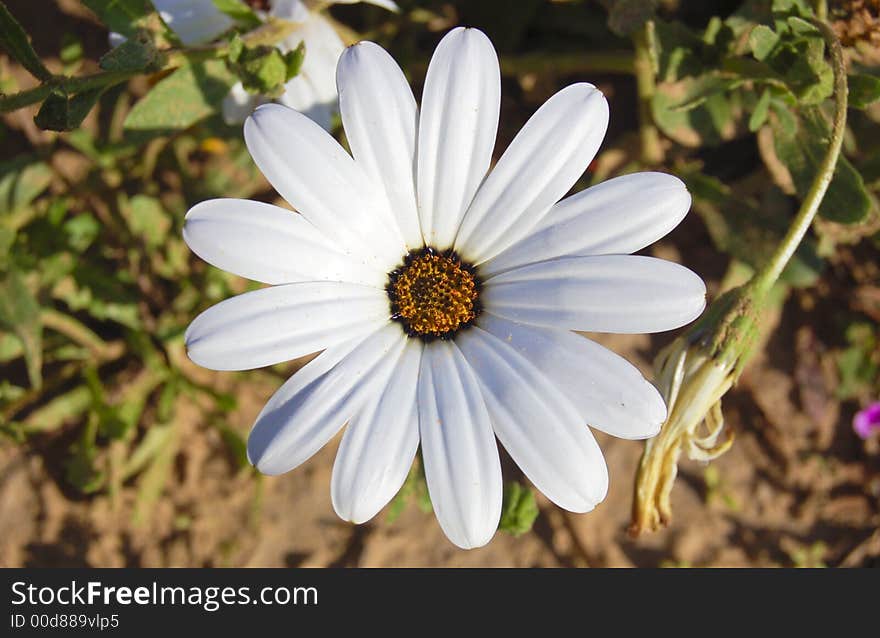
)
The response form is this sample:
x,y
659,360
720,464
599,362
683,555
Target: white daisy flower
x,y
312,91
193,21
443,294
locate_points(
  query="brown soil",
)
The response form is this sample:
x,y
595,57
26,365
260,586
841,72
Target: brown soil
x,y
797,488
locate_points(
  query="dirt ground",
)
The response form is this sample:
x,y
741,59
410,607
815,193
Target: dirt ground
x,y
795,489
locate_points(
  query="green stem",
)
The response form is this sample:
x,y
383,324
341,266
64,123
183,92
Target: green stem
x,y
268,34
20,100
76,332
768,275
643,66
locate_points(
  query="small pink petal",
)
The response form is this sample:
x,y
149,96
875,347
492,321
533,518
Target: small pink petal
x,y
867,421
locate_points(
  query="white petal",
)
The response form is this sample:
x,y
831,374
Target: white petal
x,y
619,216
312,91
269,244
194,21
607,293
292,10
239,103
316,176
540,166
536,424
314,404
462,467
385,4
300,94
379,445
609,393
380,117
323,48
457,127
115,39
281,323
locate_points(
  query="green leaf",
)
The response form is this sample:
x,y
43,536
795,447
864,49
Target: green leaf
x,y
763,40
236,48
750,228
518,509
236,444
869,168
811,77
62,113
759,115
13,430
20,314
121,16
152,481
109,423
185,97
165,404
135,54
294,60
803,63
704,88
21,181
154,441
81,231
59,411
799,26
71,49
92,287
147,220
792,7
785,119
678,51
859,364
795,52
847,200
415,487
749,69
864,90
10,347
57,211
80,470
16,43
130,406
264,70
239,11
10,392
7,239
707,124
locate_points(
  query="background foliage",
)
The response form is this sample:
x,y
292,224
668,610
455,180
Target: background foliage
x,y
97,286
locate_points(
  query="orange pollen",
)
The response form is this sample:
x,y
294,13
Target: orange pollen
x,y
433,294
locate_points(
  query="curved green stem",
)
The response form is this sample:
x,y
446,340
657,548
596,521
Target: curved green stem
x,y
768,275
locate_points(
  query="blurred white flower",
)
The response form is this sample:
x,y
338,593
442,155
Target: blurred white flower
x,y
194,21
443,294
312,91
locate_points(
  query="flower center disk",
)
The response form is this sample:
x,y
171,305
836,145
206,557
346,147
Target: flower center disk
x,y
433,294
